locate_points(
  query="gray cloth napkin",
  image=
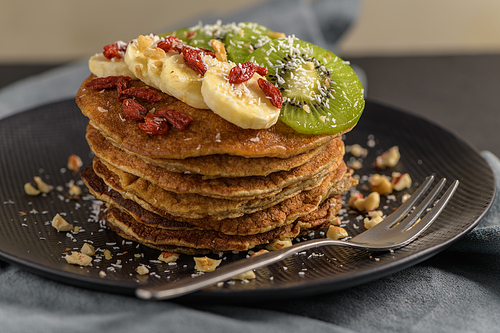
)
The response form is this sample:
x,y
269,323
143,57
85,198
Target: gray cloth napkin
x,y
457,290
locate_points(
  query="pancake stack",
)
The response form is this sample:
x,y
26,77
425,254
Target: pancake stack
x,y
213,186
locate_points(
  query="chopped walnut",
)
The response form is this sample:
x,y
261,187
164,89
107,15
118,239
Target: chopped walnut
x,y
42,186
220,50
74,190
168,257
279,244
357,151
335,232
142,270
31,190
206,264
401,181
74,163
77,258
61,224
371,202
88,249
380,184
107,254
371,222
248,275
388,159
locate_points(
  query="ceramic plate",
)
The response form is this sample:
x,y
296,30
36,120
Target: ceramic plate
x,y
38,143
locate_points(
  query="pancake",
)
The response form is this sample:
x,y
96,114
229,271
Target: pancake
x,y
242,188
208,134
212,166
206,240
283,213
194,205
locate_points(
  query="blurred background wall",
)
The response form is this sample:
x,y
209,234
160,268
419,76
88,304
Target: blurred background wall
x,y
52,31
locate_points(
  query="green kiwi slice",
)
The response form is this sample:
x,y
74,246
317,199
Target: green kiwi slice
x,y
321,93
245,38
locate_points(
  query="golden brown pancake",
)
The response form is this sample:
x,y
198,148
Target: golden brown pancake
x,y
194,205
206,240
208,134
212,166
286,212
242,188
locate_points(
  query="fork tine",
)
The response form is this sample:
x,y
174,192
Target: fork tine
x,y
405,208
415,214
427,220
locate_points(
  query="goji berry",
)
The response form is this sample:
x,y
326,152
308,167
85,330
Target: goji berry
x,y
178,119
107,82
272,92
144,93
244,72
169,43
154,125
133,110
192,58
190,34
115,50
121,85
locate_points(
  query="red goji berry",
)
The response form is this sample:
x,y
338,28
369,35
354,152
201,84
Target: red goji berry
x,y
107,82
144,93
178,119
121,85
133,110
115,50
190,34
192,58
169,43
244,72
154,125
272,92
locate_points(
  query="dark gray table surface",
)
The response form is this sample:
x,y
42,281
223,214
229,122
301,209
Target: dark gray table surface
x,y
460,93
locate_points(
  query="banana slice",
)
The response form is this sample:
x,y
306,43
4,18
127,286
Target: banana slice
x,y
145,61
181,81
243,104
100,66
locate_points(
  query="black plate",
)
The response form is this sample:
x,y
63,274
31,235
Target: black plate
x,y
39,141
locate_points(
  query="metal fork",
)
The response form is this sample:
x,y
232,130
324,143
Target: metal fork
x,y
392,233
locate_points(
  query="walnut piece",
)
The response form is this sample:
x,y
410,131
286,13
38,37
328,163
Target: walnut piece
x,y
61,224
388,159
168,257
206,264
75,190
335,232
74,162
220,50
371,222
31,190
42,186
142,270
77,258
279,244
87,249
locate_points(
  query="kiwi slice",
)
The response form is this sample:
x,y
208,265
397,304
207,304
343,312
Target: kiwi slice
x,y
321,93
246,37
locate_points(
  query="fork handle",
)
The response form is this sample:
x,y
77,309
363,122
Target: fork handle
x,y
226,272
